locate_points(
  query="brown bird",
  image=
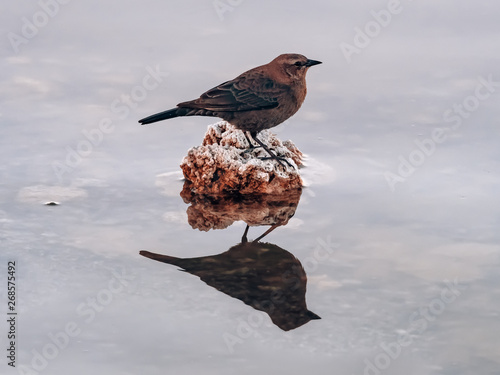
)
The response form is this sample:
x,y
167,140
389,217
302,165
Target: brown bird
x,y
258,99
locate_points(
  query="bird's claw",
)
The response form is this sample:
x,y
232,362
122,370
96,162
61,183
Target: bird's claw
x,y
279,159
251,148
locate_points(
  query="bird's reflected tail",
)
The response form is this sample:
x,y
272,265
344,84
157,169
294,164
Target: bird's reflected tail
x,y
159,257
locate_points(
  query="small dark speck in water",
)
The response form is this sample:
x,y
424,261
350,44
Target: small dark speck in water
x,y
52,203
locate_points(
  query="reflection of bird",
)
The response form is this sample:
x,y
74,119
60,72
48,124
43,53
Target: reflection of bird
x,y
258,99
262,275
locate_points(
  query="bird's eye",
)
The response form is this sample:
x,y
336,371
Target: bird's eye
x,y
298,63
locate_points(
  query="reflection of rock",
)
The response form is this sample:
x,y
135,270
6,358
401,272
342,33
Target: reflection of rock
x,y
219,212
262,275
222,165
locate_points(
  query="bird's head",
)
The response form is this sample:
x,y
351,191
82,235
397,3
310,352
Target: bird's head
x,y
293,65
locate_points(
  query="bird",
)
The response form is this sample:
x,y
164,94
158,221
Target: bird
x,y
258,99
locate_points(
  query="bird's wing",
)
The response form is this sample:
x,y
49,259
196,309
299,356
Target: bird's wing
x,y
245,93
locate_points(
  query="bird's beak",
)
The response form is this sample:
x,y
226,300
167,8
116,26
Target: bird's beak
x,y
312,62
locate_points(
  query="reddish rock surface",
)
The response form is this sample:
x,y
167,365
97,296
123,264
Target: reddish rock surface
x,y
221,165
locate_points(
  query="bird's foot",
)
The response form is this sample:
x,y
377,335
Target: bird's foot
x,y
273,156
251,148
279,159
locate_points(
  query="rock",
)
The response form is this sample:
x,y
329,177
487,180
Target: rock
x,y
222,165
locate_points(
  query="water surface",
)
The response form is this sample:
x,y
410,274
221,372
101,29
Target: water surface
x,y
395,230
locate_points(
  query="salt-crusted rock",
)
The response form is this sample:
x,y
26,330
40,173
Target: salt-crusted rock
x,y
219,212
222,164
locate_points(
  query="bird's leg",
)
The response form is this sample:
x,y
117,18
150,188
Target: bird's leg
x,y
244,239
279,159
273,227
251,147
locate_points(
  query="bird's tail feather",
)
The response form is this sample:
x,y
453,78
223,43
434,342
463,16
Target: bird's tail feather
x,y
171,113
159,257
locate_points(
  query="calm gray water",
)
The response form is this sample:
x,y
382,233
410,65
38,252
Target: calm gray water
x,y
396,229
